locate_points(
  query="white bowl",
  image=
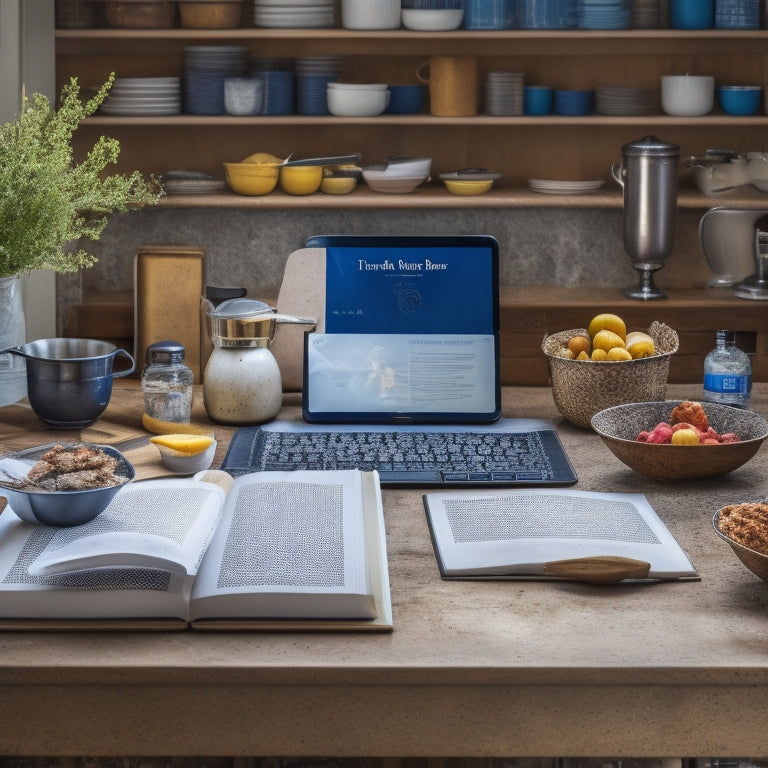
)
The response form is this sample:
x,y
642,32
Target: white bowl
x,y
363,101
379,181
187,463
370,14
687,95
432,19
409,167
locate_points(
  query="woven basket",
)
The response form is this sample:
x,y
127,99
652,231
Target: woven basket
x,y
140,14
581,388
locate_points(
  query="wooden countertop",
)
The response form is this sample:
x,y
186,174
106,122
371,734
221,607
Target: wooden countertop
x,y
472,668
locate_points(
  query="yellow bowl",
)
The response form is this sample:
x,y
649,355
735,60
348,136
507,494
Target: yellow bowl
x,y
468,186
300,179
338,185
252,178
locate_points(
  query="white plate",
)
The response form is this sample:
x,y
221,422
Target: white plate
x,y
550,187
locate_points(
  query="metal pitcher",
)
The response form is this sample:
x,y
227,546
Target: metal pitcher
x,y
648,176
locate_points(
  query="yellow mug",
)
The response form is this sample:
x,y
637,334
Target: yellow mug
x,y
453,84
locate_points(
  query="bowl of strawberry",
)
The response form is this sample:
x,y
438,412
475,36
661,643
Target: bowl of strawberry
x,y
675,440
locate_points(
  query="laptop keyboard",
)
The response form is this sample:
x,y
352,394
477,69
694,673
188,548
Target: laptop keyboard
x,y
412,456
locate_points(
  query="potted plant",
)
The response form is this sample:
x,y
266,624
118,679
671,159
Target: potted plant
x,y
50,202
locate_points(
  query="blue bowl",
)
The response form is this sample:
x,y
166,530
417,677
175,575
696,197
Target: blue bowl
x,y
739,99
573,103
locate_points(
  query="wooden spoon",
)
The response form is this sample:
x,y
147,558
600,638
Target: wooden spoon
x,y
606,569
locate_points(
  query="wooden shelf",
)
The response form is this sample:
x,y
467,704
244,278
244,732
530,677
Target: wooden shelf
x,y
434,196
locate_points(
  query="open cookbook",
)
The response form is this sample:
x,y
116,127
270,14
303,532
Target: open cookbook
x,y
268,550
552,534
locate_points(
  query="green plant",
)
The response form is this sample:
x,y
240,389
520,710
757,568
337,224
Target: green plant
x,y
48,200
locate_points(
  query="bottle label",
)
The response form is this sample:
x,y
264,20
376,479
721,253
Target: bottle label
x,y
726,383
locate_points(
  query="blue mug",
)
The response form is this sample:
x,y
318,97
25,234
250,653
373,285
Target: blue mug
x,y
692,14
537,100
405,99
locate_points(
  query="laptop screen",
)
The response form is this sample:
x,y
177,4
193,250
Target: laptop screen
x,y
411,331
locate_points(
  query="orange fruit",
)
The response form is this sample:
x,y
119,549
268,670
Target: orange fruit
x,y
608,322
607,340
579,344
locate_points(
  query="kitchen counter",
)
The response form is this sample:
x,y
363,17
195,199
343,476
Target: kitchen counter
x,y
471,668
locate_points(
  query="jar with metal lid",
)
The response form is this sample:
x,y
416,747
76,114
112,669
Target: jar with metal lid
x,y
167,382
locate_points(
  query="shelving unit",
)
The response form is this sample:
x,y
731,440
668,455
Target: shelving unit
x,y
552,147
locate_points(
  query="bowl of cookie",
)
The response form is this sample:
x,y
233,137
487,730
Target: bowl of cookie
x,y
63,484
745,527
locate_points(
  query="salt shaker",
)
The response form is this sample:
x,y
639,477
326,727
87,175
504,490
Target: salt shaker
x,y
167,382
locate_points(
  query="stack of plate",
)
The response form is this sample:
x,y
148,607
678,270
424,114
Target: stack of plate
x,y
603,14
143,96
627,101
313,74
293,14
205,69
504,93
279,85
645,14
549,187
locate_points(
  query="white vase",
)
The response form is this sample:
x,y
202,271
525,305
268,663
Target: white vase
x,y
13,332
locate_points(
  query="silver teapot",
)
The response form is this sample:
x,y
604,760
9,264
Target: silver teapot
x,y
242,382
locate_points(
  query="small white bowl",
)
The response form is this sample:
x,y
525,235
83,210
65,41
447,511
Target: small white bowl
x,y
687,95
432,19
362,101
186,463
379,181
409,167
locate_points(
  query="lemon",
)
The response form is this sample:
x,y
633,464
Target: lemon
x,y
183,443
607,340
639,344
599,354
685,437
582,355
618,353
609,322
160,427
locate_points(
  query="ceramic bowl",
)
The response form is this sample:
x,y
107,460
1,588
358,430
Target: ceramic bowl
x,y
186,463
379,180
581,388
252,178
468,187
301,179
687,95
408,167
365,100
739,100
62,508
432,19
756,561
338,185
619,426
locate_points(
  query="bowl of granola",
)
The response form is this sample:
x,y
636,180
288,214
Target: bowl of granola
x,y
745,527
63,484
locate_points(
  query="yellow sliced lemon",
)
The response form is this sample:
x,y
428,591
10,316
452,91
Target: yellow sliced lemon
x,y
639,345
160,427
188,444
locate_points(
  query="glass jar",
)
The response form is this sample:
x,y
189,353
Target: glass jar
x,y
167,383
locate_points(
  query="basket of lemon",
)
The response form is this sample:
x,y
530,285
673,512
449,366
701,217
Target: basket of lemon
x,y
603,365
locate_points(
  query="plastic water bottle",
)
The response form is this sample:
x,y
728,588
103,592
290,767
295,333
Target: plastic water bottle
x,y
727,372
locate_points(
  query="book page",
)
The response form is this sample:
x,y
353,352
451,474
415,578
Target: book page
x,y
101,593
292,545
518,532
166,523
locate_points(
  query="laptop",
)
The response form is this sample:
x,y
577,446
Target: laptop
x,y
411,332
404,379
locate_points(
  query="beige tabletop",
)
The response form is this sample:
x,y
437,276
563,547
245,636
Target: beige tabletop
x,y
471,668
